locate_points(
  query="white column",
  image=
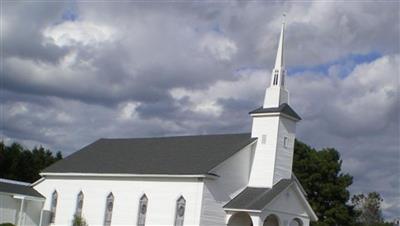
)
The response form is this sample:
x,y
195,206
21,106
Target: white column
x,y
256,220
21,212
41,215
227,217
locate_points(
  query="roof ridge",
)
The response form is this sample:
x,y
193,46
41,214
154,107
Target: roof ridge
x,y
178,136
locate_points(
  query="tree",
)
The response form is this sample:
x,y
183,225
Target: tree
x,y
369,208
320,174
18,163
79,221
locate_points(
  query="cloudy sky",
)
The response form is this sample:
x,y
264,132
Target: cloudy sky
x,y
75,72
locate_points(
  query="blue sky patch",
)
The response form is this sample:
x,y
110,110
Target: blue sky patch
x,y
69,15
71,12
344,65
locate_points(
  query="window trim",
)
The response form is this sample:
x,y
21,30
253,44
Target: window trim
x,y
180,218
79,204
141,217
108,213
264,139
285,142
53,206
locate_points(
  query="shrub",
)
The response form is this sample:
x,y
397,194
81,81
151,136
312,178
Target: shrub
x,y
79,221
6,224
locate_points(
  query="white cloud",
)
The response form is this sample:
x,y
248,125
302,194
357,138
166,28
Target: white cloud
x,y
64,117
16,109
128,111
70,33
219,46
359,104
246,85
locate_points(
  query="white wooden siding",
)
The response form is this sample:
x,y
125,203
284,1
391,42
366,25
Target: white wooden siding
x,y
264,161
9,208
161,192
234,174
284,155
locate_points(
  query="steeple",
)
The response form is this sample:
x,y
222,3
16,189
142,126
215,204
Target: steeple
x,y
277,94
274,126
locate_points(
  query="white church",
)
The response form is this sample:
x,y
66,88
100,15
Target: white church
x,y
207,180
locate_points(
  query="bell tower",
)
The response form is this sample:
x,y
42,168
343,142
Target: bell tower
x,y
274,126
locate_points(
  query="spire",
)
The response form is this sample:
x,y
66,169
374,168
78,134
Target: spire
x,y
279,62
277,94
278,73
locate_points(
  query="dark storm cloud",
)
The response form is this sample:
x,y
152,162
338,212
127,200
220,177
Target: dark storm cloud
x,y
22,35
76,72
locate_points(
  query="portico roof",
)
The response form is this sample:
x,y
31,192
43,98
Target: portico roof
x,y
252,198
18,188
256,199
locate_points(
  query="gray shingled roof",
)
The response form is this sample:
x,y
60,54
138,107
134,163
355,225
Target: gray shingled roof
x,y
186,155
252,198
19,189
283,108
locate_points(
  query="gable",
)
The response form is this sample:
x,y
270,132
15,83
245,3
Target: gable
x,y
256,198
184,155
288,201
285,196
292,200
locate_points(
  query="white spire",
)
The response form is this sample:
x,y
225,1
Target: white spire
x,y
276,94
279,70
279,62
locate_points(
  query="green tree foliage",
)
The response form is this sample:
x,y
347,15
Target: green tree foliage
x,y
79,221
7,224
320,174
19,163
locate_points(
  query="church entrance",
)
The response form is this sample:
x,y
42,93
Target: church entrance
x,y
271,220
240,219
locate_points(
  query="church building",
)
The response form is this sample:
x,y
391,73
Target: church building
x,y
207,180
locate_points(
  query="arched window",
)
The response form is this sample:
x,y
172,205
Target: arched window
x,y
180,211
79,204
283,78
109,209
53,207
142,210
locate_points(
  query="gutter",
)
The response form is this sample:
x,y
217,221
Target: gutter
x,y
119,175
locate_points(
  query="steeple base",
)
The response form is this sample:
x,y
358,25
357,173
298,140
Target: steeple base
x,y
275,96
